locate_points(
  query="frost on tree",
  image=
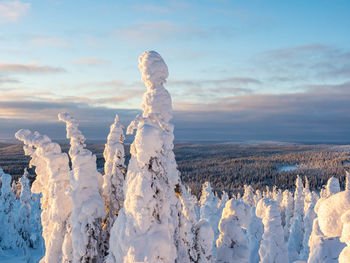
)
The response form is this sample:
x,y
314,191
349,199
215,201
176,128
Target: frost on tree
x,y
287,207
88,206
146,229
8,236
209,210
309,216
232,244
273,249
254,232
113,179
195,244
248,196
344,256
52,181
325,244
295,244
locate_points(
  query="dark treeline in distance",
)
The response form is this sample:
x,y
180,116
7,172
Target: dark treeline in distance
x,y
229,166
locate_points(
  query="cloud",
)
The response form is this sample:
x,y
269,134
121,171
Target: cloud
x,y
306,62
89,61
320,113
5,80
12,11
47,41
32,68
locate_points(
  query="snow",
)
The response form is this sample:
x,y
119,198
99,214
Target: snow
x,y
147,226
232,244
52,170
85,192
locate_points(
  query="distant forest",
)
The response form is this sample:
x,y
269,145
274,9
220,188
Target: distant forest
x,y
228,166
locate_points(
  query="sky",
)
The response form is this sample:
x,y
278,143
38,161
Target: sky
x,y
256,70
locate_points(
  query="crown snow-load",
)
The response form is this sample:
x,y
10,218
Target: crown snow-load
x,y
143,212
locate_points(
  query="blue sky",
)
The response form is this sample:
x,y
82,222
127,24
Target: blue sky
x,y
239,70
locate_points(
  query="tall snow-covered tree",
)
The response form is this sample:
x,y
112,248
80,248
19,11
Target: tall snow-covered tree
x,y
88,206
295,243
113,179
232,244
273,248
52,181
146,229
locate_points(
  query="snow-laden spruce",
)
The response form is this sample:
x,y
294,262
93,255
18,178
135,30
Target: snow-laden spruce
x,y
254,232
273,249
209,211
232,244
52,181
146,229
8,232
113,179
295,244
88,206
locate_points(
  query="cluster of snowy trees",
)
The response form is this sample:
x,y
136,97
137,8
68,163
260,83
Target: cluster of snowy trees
x,y
20,226
144,213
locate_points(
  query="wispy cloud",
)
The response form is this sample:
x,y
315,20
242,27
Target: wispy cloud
x,y
306,62
32,68
12,11
6,80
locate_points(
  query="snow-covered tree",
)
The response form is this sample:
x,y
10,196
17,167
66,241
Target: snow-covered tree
x,y
146,229
287,207
23,226
52,181
254,232
344,256
324,242
113,179
272,248
309,216
88,206
347,180
9,238
232,244
257,197
248,196
333,186
209,210
204,241
295,243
